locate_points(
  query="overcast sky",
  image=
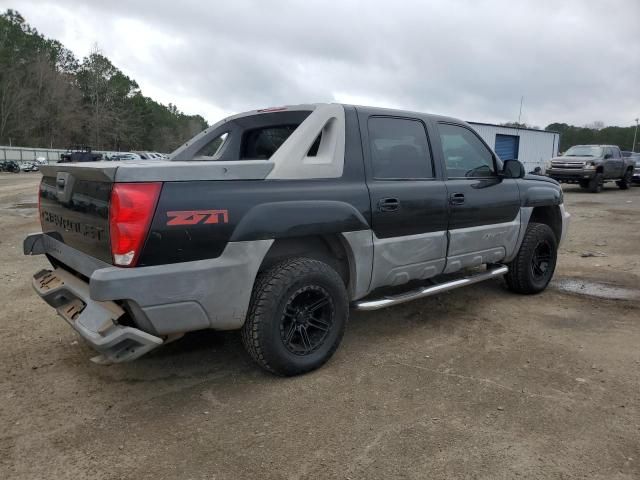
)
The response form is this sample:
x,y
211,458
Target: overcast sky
x,y
573,61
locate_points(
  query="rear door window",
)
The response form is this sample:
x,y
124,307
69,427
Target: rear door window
x,y
399,149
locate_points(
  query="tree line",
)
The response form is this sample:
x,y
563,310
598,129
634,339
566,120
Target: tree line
x,y
50,99
595,133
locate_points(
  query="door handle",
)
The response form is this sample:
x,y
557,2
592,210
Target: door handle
x,y
389,205
456,199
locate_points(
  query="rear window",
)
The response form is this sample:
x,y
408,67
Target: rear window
x,y
262,143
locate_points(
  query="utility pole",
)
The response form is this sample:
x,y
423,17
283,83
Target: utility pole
x,y
635,134
520,114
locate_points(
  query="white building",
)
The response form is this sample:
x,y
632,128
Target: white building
x,y
534,148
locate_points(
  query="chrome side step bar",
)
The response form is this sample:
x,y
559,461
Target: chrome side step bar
x,y
391,300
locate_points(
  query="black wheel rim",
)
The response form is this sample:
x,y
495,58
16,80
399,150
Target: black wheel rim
x,y
541,260
307,320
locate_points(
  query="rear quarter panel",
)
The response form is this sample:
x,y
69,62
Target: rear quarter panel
x,y
249,210
258,209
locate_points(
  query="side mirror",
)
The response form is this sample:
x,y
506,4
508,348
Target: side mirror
x,y
513,169
608,156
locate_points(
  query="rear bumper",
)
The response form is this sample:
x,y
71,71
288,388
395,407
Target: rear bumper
x,y
570,175
96,322
163,300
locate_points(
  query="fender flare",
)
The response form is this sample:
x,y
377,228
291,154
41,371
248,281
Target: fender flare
x,y
275,220
541,196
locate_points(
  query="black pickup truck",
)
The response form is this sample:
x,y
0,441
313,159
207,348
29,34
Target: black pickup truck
x,y
276,222
79,153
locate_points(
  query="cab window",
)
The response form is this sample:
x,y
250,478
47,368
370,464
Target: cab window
x,y
464,153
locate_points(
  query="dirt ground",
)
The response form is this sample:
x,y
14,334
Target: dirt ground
x,y
474,383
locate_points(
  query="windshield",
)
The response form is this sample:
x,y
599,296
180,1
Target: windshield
x,y
584,151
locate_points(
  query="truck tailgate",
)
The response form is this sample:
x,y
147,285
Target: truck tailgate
x,y
74,206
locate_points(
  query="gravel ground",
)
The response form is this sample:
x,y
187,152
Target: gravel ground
x,y
474,383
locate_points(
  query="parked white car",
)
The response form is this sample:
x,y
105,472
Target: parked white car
x,y
29,167
125,156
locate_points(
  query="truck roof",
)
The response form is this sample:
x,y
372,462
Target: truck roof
x,y
313,106
399,112
362,108
373,110
594,145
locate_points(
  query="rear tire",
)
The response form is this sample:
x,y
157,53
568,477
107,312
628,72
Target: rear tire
x,y
595,184
625,182
297,316
532,269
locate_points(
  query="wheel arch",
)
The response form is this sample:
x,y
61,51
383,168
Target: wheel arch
x,y
349,253
549,215
329,249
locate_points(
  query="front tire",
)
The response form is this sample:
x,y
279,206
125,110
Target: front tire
x,y
532,269
595,184
297,316
625,182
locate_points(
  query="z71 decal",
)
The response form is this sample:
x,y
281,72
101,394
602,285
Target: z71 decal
x,y
194,217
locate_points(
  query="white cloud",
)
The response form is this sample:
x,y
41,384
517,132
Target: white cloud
x,y
574,61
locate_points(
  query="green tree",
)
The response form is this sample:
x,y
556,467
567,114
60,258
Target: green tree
x,y
50,99
594,134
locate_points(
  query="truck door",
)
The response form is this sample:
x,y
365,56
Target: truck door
x,y
616,162
608,168
484,208
408,200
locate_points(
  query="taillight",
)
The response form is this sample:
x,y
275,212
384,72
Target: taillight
x,y
130,213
